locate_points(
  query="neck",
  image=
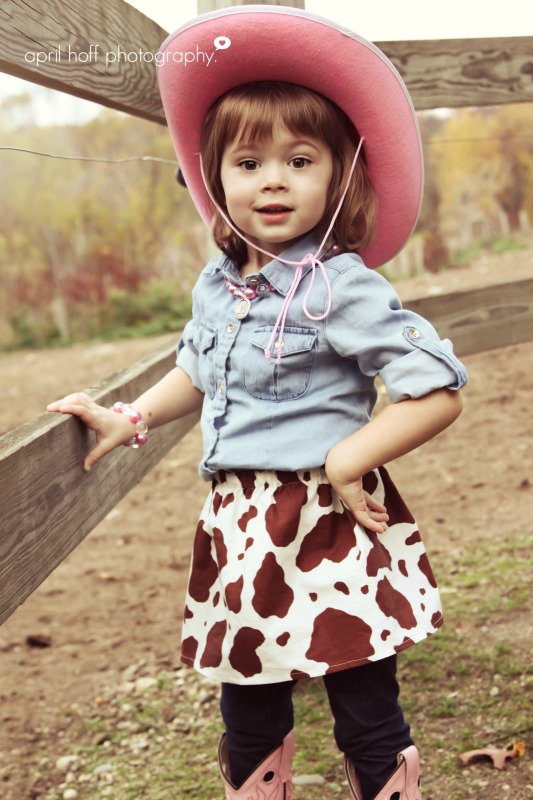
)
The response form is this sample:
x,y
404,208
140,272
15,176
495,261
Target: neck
x,y
255,261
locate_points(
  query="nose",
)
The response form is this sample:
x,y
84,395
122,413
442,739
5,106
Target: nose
x,y
273,176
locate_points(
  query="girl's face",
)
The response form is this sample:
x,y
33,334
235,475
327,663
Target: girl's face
x,y
276,190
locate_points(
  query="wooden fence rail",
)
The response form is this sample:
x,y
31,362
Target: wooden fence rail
x,y
85,49
48,503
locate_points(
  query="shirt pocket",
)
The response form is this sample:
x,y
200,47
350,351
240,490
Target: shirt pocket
x,y
205,342
288,379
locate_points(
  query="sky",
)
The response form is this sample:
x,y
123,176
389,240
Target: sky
x,y
385,20
377,20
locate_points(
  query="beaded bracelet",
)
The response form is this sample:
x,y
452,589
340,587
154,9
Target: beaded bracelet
x,y
141,430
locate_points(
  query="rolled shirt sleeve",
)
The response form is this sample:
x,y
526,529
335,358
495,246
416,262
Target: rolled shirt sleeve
x,y
371,326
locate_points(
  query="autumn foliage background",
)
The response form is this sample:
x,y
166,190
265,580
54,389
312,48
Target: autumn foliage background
x,y
92,249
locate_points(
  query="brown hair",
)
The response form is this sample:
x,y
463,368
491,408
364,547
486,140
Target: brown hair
x,y
249,113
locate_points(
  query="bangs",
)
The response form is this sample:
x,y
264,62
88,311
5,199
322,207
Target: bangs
x,y
249,113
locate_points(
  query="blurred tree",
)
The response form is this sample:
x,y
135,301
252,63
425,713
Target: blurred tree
x,y
482,160
513,132
70,231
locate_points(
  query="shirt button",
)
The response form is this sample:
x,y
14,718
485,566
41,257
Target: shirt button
x,y
220,388
414,334
279,344
230,327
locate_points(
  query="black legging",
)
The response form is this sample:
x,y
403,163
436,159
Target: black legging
x,y
369,724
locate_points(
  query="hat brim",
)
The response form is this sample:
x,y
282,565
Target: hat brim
x,y
291,45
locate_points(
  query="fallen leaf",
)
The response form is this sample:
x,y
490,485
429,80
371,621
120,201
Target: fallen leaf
x,y
107,576
38,640
498,755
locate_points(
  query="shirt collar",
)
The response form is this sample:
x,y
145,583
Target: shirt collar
x,y
277,273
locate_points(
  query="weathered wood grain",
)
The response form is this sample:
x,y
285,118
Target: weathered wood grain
x,y
48,503
451,73
77,42
481,319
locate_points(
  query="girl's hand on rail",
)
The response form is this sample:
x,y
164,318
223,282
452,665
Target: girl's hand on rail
x,y
111,429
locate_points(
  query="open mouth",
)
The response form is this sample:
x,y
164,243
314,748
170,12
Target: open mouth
x,y
274,209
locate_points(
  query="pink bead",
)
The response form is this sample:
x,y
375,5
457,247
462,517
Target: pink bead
x,y
250,293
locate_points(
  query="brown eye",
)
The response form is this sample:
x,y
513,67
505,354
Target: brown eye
x,y
249,164
299,162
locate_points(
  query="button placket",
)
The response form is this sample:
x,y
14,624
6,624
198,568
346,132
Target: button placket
x,y
226,344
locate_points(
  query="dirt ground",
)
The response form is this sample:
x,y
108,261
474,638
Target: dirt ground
x,y
118,598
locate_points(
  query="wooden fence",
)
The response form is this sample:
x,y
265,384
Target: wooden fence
x,y
48,503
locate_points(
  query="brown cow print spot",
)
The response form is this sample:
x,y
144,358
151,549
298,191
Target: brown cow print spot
x,y
325,496
217,502
425,569
272,595
212,655
378,557
233,593
282,518
332,538
370,482
228,500
204,569
247,517
243,657
394,604
340,586
247,480
189,648
220,548
332,632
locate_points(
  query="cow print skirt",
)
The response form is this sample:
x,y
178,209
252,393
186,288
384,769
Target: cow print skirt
x,y
285,584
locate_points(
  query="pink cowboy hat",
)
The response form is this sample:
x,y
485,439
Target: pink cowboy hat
x,y
217,51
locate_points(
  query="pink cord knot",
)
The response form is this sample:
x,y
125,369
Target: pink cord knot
x,y
276,338
310,258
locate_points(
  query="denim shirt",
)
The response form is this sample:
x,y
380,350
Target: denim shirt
x,y
287,415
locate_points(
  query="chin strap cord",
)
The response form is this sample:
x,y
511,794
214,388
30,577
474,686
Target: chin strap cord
x,y
276,339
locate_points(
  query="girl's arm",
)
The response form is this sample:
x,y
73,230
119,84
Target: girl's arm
x,y
398,429
174,396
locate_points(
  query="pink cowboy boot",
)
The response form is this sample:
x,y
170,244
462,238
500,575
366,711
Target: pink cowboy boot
x,y
403,784
272,780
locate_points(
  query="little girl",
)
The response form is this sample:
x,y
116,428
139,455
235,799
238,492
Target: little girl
x,y
306,560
